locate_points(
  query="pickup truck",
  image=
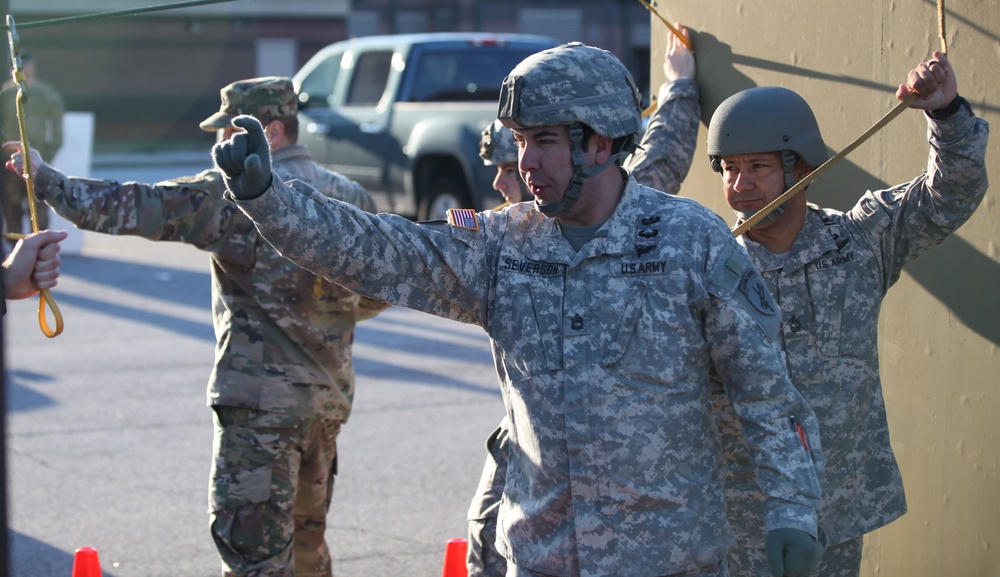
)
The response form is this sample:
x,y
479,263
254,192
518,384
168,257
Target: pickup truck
x,y
402,114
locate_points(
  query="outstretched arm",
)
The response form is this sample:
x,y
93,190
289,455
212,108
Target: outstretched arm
x,y
668,144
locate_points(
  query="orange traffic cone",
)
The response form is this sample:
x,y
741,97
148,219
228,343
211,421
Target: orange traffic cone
x,y
454,558
85,563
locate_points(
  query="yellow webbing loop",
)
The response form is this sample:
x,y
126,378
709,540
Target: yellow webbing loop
x,y
17,75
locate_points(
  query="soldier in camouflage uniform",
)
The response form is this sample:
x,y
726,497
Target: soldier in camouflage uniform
x,y
829,272
607,304
496,148
661,161
283,381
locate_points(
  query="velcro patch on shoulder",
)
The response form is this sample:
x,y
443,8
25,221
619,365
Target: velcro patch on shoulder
x,y
756,292
463,218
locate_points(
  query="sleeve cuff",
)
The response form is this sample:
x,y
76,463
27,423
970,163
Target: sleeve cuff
x,y
951,110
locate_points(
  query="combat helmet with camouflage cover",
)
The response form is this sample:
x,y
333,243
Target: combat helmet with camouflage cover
x,y
496,144
574,85
766,119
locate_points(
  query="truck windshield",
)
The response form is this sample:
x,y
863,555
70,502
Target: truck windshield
x,y
463,74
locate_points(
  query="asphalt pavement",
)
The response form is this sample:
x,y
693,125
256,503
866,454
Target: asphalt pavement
x,y
109,435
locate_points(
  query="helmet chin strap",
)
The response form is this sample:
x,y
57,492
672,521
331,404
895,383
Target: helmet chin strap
x,y
580,174
788,168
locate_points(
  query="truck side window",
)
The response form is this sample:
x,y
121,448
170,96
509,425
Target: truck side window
x,y
370,76
317,88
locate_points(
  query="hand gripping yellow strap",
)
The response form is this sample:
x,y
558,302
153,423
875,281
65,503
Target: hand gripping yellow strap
x,y
672,28
809,178
18,77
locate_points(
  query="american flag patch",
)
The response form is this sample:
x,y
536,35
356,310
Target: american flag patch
x,y
463,218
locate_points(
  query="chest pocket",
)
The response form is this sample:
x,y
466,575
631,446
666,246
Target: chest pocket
x,y
654,327
528,319
842,306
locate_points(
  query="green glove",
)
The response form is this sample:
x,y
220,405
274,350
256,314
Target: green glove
x,y
792,553
245,160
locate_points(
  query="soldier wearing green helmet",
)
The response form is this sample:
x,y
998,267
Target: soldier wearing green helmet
x,y
608,304
830,270
497,148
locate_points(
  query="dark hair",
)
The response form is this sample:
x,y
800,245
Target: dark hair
x,y
616,143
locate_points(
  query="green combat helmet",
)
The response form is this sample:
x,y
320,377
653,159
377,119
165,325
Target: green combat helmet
x,y
496,145
264,98
574,85
766,119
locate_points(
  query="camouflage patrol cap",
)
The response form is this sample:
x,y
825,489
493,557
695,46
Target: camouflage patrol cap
x,y
265,98
765,119
497,145
572,83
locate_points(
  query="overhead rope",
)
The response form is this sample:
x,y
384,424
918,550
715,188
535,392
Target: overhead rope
x,y
116,13
809,178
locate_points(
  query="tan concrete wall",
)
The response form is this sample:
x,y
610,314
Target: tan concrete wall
x,y
940,325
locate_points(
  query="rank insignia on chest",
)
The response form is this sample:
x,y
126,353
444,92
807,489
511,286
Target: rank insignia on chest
x,y
463,218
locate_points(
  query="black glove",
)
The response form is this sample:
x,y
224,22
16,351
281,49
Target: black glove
x,y
245,160
792,553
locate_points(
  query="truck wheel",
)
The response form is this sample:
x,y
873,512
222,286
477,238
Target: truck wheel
x,y
442,193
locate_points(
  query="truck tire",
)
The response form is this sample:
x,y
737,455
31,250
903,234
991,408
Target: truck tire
x,y
442,193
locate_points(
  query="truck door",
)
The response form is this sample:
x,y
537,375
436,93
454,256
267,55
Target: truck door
x,y
355,127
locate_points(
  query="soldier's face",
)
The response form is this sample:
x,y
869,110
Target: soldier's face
x,y
751,181
508,182
544,161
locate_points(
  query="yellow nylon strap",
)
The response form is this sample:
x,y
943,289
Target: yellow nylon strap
x,y
45,296
672,28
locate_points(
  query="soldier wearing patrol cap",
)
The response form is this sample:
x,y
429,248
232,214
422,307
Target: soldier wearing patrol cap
x,y
283,381
608,305
830,271
267,99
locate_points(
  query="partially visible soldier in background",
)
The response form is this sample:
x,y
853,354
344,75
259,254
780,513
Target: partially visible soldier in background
x,y
496,147
283,381
44,123
661,161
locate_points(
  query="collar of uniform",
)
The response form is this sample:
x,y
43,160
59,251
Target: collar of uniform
x,y
813,241
545,242
289,152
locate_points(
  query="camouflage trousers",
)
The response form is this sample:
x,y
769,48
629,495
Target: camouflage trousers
x,y
842,560
482,558
270,491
